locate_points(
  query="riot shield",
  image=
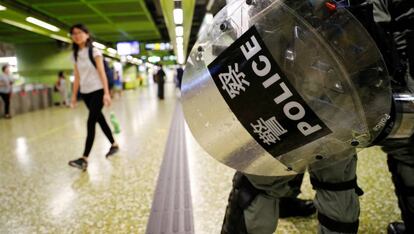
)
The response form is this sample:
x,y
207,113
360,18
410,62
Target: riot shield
x,y
276,85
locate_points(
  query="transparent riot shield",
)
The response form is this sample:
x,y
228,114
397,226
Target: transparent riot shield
x,y
276,85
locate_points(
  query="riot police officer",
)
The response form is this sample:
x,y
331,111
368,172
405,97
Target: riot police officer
x,y
246,82
396,19
253,201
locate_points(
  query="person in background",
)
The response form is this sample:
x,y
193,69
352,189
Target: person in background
x,y
110,75
117,84
160,78
94,90
6,89
62,89
396,20
140,80
180,73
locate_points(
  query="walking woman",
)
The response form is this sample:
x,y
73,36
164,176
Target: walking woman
x,y
93,84
6,89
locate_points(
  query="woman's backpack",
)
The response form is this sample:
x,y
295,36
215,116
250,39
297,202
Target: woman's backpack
x,y
108,71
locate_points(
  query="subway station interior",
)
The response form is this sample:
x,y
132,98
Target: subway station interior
x,y
224,116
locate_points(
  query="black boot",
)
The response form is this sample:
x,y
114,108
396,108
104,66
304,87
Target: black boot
x,y
396,228
295,207
403,193
242,194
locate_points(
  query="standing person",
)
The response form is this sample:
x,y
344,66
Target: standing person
x,y
94,89
61,87
6,89
160,77
117,83
180,73
254,201
110,73
396,19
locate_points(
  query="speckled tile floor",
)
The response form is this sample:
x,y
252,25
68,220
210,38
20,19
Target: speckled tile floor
x,y
211,183
39,193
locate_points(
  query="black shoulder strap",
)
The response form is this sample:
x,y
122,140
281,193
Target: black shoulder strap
x,y
91,58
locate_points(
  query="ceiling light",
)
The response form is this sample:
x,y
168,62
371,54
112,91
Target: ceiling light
x,y
179,40
112,51
208,18
17,24
179,31
154,59
180,57
60,38
3,8
142,68
99,45
10,60
42,24
178,16
180,48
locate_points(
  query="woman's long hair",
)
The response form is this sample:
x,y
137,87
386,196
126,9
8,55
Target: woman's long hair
x,y
75,47
4,67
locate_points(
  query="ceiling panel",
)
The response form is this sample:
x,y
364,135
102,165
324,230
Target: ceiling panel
x,y
109,20
51,1
118,7
57,11
86,20
13,34
127,18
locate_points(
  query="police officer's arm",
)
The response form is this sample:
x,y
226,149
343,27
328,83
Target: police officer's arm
x,y
102,76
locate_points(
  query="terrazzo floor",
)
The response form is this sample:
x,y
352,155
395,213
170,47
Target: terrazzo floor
x,y
211,184
40,193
